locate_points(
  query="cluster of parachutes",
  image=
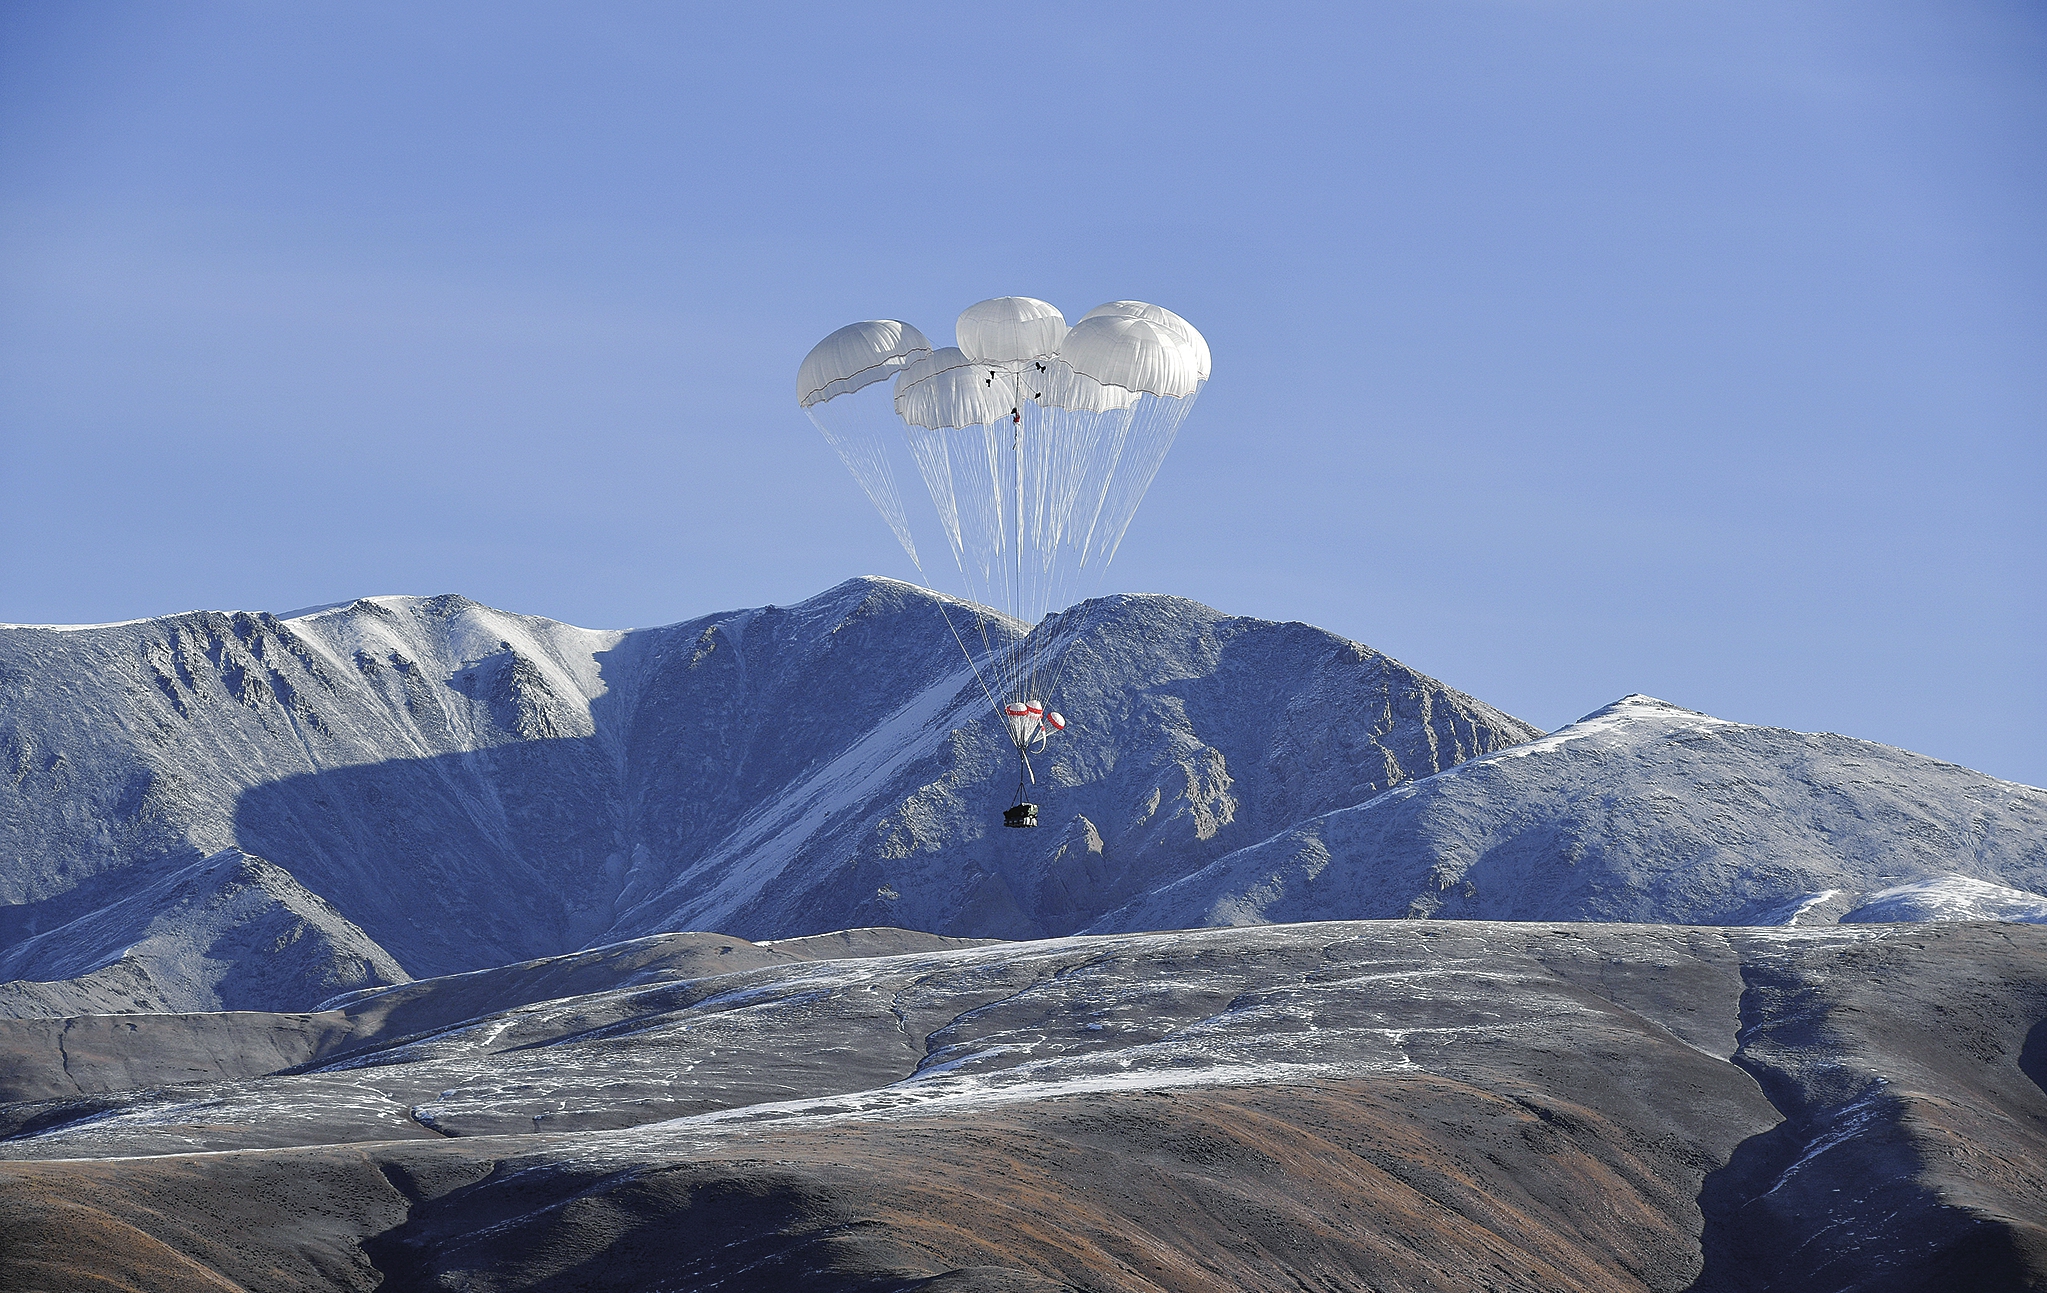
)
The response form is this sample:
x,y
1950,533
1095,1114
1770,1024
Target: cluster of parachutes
x,y
1030,721
1035,443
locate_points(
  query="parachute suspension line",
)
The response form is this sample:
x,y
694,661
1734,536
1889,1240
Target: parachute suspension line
x,y
1051,463
867,460
939,599
1093,408
868,463
1141,437
1156,423
936,464
1023,598
1016,551
877,479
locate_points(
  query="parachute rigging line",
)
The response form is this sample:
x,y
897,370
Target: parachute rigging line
x,y
1032,521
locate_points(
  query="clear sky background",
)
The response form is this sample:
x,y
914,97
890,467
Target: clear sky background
x,y
1562,349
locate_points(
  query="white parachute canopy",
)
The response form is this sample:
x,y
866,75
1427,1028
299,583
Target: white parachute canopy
x,y
1035,444
1135,356
1160,315
945,390
827,388
1010,331
855,356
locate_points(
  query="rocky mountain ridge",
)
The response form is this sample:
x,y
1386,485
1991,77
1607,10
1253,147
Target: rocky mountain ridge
x,y
1645,811
462,787
235,810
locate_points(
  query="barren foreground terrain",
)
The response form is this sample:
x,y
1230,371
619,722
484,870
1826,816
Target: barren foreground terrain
x,y
1352,1105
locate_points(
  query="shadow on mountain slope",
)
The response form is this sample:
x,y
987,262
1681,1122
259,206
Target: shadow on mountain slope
x,y
453,862
1908,1157
2033,1059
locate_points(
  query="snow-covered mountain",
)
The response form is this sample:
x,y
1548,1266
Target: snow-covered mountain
x,y
1644,811
447,787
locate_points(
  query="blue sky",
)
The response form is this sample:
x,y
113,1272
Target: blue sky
x,y
1562,350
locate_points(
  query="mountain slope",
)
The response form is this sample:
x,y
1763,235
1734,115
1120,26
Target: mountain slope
x,y
469,787
227,932
1643,811
46,1059
1190,733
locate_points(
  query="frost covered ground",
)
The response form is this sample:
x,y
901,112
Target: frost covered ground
x,y
1396,1105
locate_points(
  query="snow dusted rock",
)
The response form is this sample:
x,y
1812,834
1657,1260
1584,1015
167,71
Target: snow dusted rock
x,y
229,932
451,787
1950,897
1643,811
470,788
1190,733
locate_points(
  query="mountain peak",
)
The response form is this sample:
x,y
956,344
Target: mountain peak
x,y
1635,705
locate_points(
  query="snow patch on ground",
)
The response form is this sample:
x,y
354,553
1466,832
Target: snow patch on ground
x,y
1950,897
1623,719
1789,913
74,628
776,833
